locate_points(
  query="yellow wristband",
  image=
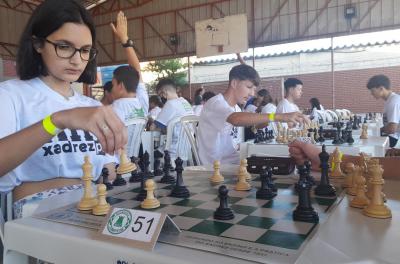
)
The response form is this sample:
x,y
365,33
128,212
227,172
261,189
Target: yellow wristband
x,y
49,126
271,117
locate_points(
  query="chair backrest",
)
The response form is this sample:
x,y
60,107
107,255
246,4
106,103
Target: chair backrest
x,y
135,128
170,131
190,127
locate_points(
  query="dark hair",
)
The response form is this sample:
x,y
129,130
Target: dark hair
x,y
315,103
291,83
244,72
156,100
107,86
265,96
47,18
165,81
207,96
198,92
128,76
379,80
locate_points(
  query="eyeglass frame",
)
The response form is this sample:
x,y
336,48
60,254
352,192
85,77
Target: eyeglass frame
x,y
55,45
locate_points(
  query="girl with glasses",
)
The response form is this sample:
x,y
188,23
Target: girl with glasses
x,y
47,128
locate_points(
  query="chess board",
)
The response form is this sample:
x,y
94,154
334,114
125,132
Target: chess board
x,y
262,230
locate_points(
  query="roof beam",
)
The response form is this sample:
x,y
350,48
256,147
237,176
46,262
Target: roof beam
x,y
159,35
370,7
275,15
316,17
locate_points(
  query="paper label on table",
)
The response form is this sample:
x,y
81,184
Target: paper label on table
x,y
132,224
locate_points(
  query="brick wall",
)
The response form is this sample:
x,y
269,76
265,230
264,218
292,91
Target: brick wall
x,y
350,90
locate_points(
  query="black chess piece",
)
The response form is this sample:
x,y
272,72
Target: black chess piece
x,y
304,211
223,212
308,176
301,170
350,138
135,176
157,163
119,181
338,136
167,178
179,190
105,174
270,181
271,134
259,136
146,164
324,188
265,192
142,193
321,135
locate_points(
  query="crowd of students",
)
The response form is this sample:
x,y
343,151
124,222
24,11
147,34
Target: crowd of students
x,y
48,128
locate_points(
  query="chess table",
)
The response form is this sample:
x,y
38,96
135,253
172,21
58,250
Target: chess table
x,y
343,235
375,146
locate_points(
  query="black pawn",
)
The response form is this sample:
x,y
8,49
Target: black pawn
x,y
338,136
223,212
179,190
304,211
270,181
157,163
350,138
135,176
105,174
119,181
167,178
265,192
142,193
324,188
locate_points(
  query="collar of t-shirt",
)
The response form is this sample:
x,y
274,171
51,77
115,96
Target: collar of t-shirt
x,y
45,89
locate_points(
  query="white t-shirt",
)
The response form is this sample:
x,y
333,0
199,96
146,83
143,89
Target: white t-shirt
x,y
23,103
268,108
197,109
391,112
128,108
218,139
251,108
143,97
285,106
172,109
154,112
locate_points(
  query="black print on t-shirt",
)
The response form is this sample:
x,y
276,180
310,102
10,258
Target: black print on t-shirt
x,y
77,141
234,132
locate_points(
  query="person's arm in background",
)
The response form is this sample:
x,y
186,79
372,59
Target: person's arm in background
x,y
240,59
121,32
302,151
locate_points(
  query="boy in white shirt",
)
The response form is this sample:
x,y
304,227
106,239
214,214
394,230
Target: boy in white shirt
x,y
218,136
173,108
379,86
293,92
125,103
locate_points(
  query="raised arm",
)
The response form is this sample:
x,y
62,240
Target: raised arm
x,y
101,121
240,59
121,32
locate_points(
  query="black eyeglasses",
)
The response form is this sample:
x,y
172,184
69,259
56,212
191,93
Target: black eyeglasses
x,y
66,51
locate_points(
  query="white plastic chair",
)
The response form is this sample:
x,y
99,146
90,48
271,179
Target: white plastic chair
x,y
135,128
190,125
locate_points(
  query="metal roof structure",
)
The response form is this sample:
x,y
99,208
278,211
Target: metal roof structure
x,y
153,22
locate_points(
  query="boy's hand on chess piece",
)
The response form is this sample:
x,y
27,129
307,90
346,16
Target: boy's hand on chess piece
x,y
101,121
302,151
294,117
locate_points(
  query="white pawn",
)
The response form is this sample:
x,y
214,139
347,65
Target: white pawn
x,y
150,202
217,177
102,206
364,131
242,184
243,163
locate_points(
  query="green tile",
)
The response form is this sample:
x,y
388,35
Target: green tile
x,y
213,228
155,209
112,200
231,200
198,213
324,201
283,185
282,239
135,190
243,209
189,203
256,221
277,204
211,191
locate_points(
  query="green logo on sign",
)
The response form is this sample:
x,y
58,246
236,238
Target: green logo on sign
x,y
119,221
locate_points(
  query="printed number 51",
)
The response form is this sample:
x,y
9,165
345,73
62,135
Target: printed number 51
x,y
138,224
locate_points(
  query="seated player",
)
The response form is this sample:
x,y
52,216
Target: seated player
x,y
121,32
47,128
198,108
379,86
293,92
218,134
155,106
107,99
173,108
302,151
126,105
